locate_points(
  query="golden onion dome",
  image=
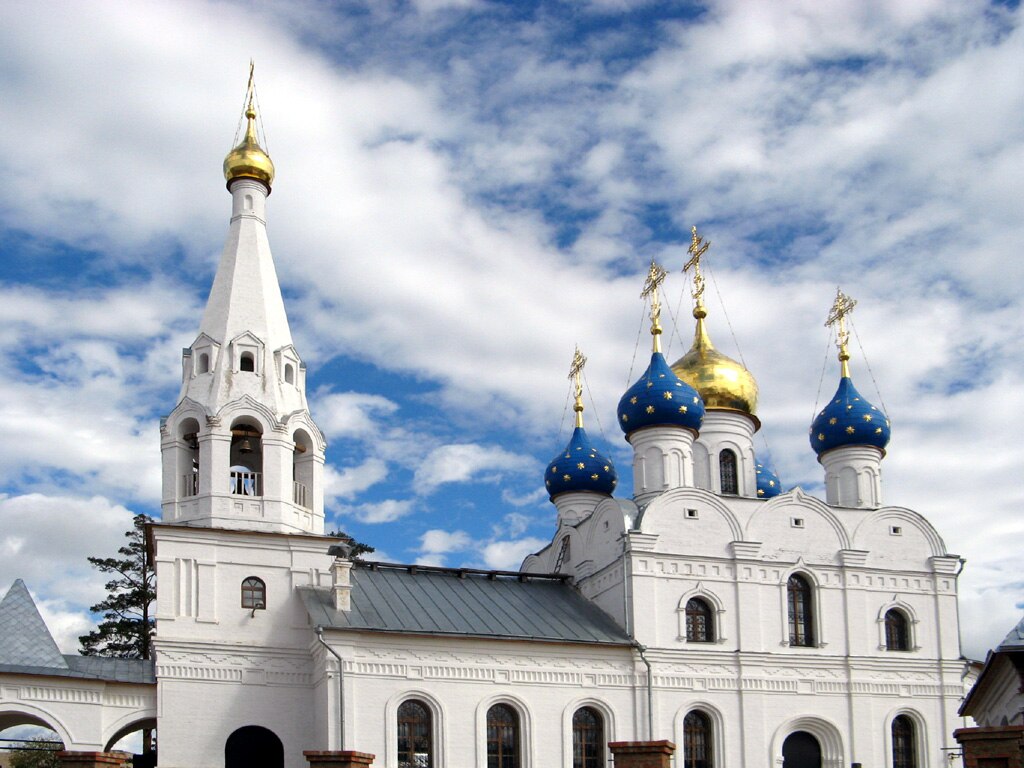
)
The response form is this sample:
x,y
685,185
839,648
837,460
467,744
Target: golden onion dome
x,y
723,383
248,160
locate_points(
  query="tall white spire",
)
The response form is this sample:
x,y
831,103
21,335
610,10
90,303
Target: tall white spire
x,y
240,449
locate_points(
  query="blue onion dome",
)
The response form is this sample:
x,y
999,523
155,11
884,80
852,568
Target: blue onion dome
x,y
660,397
580,467
768,483
849,419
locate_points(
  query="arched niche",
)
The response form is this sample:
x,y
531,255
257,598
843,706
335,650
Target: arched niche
x,y
253,746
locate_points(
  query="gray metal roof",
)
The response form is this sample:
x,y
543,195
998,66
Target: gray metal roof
x,y
463,602
28,648
24,638
1014,640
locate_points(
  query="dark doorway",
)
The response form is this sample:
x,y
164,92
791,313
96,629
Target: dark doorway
x,y
253,747
801,750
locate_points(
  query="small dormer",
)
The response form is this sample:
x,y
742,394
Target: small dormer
x,y
290,370
247,354
204,353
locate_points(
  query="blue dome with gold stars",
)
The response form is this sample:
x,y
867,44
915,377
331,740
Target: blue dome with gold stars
x,y
849,419
580,467
768,484
660,397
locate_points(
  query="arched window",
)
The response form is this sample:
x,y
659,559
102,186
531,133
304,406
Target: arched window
x,y
801,612
904,755
502,737
699,626
204,363
415,747
897,636
289,373
727,470
254,593
247,362
587,738
696,740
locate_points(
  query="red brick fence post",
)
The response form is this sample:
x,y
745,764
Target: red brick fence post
x,y
339,759
998,747
642,754
94,759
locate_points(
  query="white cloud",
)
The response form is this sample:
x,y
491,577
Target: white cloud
x,y
508,555
351,481
460,463
438,542
352,414
386,511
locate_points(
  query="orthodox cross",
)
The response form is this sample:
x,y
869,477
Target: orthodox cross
x,y
655,277
697,249
841,307
575,372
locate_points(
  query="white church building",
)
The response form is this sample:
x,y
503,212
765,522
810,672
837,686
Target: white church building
x,y
748,626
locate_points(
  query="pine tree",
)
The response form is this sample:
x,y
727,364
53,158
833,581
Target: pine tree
x,y
358,548
127,629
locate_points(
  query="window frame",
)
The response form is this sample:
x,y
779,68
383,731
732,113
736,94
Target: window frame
x,y
704,610
502,760
250,594
427,724
904,747
800,617
728,462
598,758
897,630
707,736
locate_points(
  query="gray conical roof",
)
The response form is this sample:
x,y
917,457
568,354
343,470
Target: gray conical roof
x,y
24,637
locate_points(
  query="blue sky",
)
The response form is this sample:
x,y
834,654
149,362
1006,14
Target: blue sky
x,y
466,190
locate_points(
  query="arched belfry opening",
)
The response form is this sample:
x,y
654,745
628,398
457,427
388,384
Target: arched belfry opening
x,y
188,458
246,458
253,746
801,750
303,477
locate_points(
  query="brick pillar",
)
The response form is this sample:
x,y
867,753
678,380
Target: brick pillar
x,y
994,747
642,754
93,759
338,759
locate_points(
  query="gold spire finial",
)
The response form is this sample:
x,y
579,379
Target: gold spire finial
x,y
696,250
841,307
248,159
655,277
575,373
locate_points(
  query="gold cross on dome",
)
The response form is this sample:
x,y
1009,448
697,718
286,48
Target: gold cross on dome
x,y
841,307
696,250
655,277
575,373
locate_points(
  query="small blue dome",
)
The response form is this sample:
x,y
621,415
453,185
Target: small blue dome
x,y
660,397
768,484
849,419
580,468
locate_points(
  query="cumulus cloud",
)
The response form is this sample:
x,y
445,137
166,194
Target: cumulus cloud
x,y
459,463
457,210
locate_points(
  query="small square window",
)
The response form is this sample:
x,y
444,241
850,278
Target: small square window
x,y
691,514
796,522
895,530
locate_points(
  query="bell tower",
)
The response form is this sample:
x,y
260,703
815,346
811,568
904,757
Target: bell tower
x,y
240,449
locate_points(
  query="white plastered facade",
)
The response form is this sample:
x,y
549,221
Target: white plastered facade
x,y
222,666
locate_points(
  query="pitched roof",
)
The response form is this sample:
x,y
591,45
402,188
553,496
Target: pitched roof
x,y
24,638
464,602
1014,640
28,648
